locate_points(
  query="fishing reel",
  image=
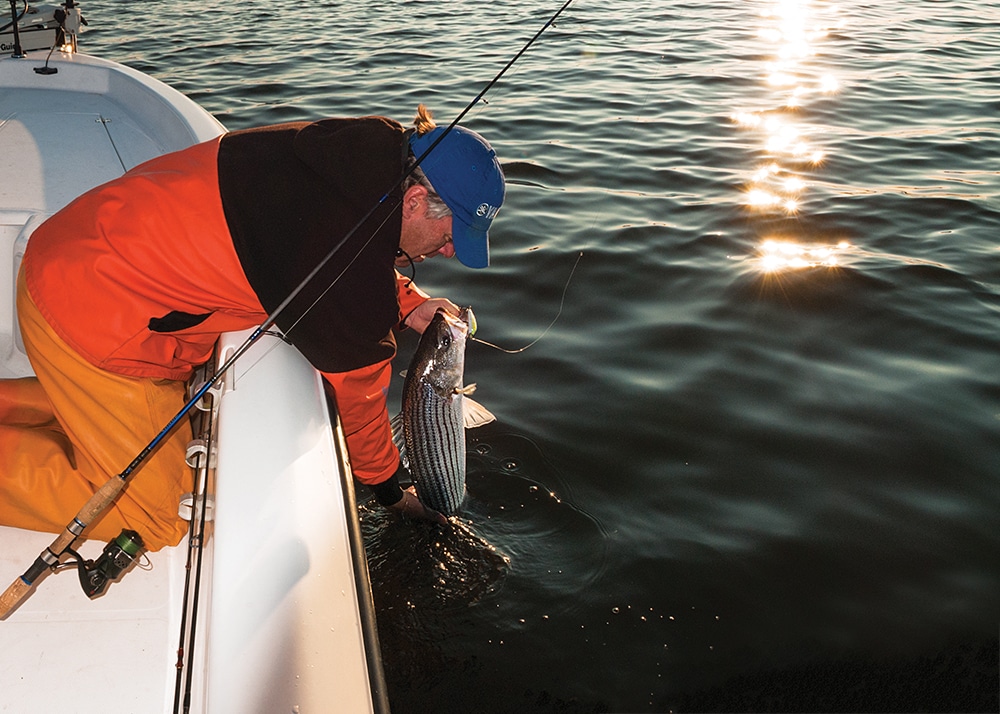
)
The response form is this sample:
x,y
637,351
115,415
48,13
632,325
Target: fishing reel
x,y
115,559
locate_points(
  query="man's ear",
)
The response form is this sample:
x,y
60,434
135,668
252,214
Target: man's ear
x,y
414,197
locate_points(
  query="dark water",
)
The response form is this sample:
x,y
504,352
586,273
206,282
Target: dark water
x,y
755,465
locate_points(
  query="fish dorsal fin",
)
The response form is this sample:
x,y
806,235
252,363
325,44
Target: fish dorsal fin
x,y
475,414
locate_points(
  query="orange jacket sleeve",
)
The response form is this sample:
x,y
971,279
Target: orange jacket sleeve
x,y
361,399
410,296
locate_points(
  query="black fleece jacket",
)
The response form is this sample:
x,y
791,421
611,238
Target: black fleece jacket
x,y
290,193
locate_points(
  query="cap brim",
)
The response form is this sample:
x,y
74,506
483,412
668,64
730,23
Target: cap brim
x,y
472,247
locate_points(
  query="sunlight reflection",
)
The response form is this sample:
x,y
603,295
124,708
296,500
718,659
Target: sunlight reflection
x,y
782,79
791,28
794,185
773,188
829,84
783,255
747,119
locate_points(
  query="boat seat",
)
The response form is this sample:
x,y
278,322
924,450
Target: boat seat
x,y
15,229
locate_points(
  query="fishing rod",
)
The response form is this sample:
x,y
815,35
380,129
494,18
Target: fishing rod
x,y
106,494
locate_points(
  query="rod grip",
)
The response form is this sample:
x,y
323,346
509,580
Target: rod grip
x,y
12,596
98,502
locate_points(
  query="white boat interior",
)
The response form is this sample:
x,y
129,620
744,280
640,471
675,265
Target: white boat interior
x,y
278,617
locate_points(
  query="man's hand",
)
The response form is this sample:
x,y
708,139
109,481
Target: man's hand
x,y
411,507
422,315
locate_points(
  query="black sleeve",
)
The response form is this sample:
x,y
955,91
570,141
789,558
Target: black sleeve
x,y
389,491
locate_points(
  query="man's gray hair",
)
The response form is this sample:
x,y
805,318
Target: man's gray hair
x,y
436,207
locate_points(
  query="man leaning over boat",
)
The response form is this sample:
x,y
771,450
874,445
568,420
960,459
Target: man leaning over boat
x,y
123,292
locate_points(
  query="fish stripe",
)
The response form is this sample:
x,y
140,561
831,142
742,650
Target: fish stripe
x,y
435,441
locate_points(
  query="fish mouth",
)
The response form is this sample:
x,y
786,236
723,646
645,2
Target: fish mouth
x,y
462,326
458,328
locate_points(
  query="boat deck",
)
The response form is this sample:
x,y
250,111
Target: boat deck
x,y
58,153
59,644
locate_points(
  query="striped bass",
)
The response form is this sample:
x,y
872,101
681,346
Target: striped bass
x,y
436,410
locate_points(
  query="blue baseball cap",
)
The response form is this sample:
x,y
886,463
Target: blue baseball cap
x,y
466,174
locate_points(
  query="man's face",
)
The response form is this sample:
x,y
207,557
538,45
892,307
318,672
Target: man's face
x,y
421,236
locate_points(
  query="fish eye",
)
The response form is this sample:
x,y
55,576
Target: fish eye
x,y
445,340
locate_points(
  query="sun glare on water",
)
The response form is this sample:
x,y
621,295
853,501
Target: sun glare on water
x,y
792,29
779,185
783,255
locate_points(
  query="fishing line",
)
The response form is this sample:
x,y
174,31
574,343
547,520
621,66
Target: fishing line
x,y
562,302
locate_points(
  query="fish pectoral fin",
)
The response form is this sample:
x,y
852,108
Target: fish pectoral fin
x,y
475,414
396,424
399,438
466,390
